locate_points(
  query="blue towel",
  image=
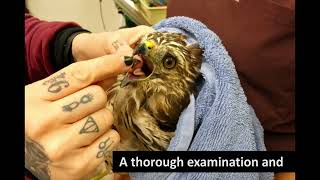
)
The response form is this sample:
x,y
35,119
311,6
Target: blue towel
x,y
218,118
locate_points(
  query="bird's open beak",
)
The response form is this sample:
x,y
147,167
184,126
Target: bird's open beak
x,y
143,48
142,67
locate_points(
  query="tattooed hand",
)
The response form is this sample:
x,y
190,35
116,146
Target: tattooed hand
x,y
67,128
91,45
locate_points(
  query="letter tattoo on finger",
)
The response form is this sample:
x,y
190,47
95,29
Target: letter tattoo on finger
x,y
116,44
57,83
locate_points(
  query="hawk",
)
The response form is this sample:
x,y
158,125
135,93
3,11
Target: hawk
x,y
147,101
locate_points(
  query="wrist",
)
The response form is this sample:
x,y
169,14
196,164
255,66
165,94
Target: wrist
x,y
61,50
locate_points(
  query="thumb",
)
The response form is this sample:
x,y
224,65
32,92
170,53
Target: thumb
x,y
124,50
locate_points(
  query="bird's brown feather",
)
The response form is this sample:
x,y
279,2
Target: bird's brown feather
x,y
146,112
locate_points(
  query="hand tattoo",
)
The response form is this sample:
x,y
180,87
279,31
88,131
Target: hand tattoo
x,y
84,100
116,44
56,83
36,160
90,126
104,148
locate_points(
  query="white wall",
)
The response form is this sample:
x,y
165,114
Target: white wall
x,y
84,12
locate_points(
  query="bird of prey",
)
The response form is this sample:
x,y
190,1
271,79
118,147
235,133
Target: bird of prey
x,y
147,101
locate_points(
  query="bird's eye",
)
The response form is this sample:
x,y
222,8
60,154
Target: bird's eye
x,y
169,62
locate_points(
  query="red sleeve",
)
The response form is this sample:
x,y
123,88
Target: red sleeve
x,y
39,35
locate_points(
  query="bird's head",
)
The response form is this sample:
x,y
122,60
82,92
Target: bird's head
x,y
164,55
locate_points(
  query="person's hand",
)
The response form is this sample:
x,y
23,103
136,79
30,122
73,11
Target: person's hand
x,y
91,45
67,127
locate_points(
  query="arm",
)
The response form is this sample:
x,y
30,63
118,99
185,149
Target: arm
x,y
51,46
39,38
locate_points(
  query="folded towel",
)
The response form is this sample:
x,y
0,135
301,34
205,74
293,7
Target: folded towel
x,y
218,117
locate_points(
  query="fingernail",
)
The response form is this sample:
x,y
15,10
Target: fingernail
x,y
128,60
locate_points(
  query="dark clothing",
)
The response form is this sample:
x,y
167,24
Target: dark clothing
x,y
260,37
47,47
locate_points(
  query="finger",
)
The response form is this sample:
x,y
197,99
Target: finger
x,y
76,106
79,75
135,40
90,128
116,44
140,31
101,148
124,50
106,84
